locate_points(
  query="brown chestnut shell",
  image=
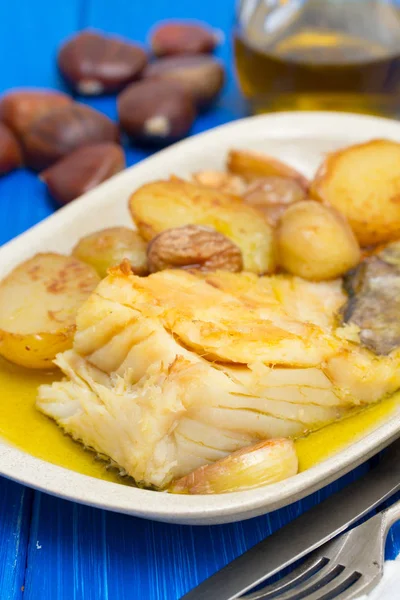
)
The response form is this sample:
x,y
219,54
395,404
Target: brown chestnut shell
x,y
181,37
63,130
94,63
156,111
20,107
202,76
10,151
83,170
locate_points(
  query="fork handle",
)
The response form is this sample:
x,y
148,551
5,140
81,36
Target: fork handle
x,y
391,515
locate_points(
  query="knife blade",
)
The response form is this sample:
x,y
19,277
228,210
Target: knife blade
x,y
304,534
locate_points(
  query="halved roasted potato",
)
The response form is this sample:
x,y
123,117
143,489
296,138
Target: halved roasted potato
x,y
108,247
221,180
363,183
315,242
256,165
163,205
39,300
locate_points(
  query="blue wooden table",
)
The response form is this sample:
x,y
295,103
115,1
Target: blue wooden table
x,y
51,549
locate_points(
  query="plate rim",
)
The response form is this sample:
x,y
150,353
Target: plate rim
x,y
59,481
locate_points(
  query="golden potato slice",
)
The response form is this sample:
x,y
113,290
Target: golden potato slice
x,y
108,248
255,165
316,242
363,183
220,180
163,205
39,300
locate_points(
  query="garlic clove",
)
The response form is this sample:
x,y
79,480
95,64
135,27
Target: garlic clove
x,y
264,463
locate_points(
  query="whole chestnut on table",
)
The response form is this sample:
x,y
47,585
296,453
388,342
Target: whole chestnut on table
x,y
20,107
10,151
180,37
202,76
94,63
63,130
156,111
82,170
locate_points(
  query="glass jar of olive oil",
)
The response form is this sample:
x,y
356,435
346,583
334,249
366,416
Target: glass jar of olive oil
x,y
319,55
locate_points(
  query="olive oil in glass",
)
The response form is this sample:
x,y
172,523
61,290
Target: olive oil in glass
x,y
319,55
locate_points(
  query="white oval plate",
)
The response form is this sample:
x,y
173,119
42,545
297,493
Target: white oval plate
x,y
301,139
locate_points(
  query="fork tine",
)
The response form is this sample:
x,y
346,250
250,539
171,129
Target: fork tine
x,y
364,585
335,567
321,578
303,573
330,590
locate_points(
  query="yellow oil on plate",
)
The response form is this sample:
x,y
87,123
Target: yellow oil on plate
x,y
28,429
34,451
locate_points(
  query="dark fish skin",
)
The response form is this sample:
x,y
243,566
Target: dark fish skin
x,y
374,300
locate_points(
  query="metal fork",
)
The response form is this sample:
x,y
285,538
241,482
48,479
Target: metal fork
x,y
343,569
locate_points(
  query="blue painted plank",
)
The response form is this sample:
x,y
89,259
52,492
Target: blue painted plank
x,y
15,513
23,203
29,35
81,553
133,21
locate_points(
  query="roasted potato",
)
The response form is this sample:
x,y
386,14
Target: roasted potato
x,y
108,247
315,242
254,165
163,205
363,183
220,180
39,300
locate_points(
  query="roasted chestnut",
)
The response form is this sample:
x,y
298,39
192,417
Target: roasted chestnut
x,y
10,151
82,170
94,63
156,111
63,130
202,75
272,195
19,108
180,37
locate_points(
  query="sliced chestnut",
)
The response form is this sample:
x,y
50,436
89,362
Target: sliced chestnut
x,y
180,37
156,111
272,195
19,108
63,130
10,151
94,63
82,170
203,76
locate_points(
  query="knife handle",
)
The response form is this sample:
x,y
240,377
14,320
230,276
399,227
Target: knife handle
x,y
307,532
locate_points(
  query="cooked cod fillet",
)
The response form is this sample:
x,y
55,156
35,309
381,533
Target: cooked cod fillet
x,y
174,371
